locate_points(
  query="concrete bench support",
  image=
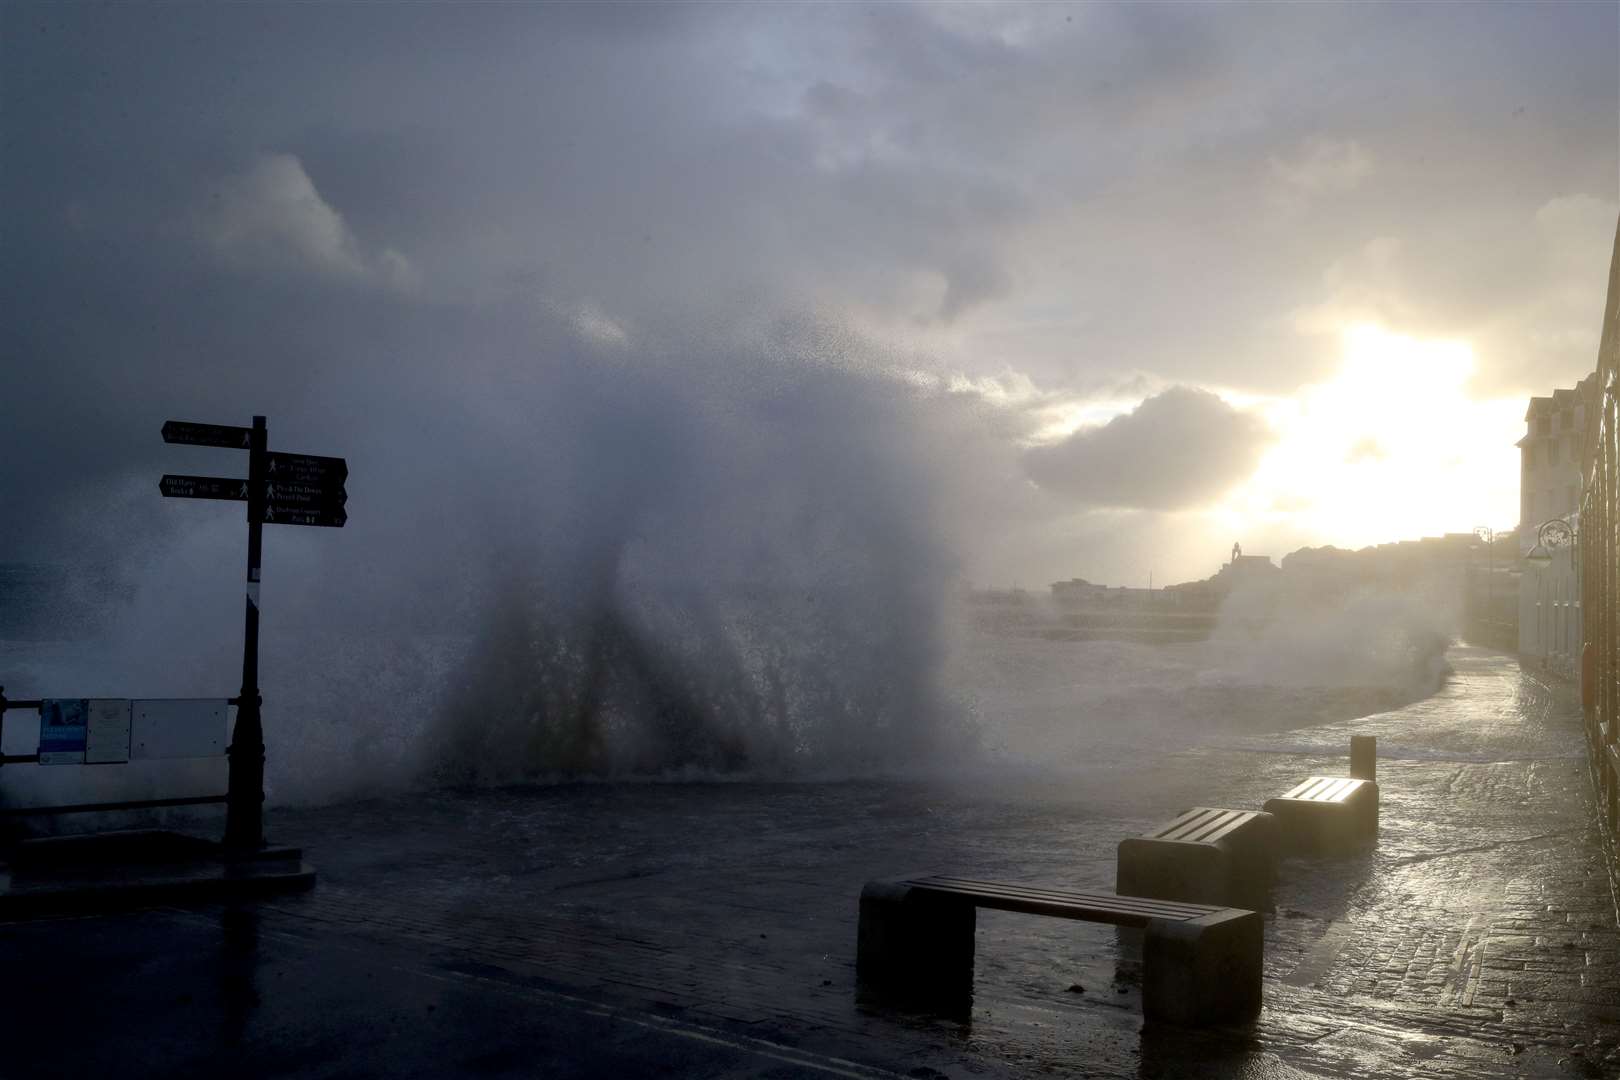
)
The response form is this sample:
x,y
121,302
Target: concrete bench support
x,y
910,941
1327,815
1207,855
1201,964
1205,970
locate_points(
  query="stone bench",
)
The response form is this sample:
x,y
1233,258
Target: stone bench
x,y
1207,855
1201,964
1327,815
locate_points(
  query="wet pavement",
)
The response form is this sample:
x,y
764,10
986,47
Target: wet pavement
x,y
707,929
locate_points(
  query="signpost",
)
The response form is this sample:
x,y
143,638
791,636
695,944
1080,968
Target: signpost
x,y
280,489
203,487
306,469
303,496
331,517
182,431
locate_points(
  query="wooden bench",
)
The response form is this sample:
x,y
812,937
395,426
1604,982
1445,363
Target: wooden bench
x,y
1201,964
1327,815
1207,855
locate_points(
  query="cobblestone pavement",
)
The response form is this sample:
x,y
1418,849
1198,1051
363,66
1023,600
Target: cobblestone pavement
x,y
708,929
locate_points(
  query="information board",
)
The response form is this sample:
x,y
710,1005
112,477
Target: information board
x,y
177,727
62,730
107,735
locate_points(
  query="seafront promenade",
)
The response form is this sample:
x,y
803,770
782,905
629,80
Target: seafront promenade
x,y
708,929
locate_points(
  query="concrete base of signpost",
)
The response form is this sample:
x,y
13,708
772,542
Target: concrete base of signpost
x,y
110,871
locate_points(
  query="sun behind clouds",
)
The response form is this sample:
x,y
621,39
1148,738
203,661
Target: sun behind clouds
x,y
1392,447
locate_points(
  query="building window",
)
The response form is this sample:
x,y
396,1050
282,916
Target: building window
x,y
1543,425
1566,420
1552,452
1530,456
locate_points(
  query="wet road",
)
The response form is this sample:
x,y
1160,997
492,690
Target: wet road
x,y
707,929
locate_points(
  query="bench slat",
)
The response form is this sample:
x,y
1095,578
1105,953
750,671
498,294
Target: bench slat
x,y
1204,824
1093,907
1325,789
971,885
1060,909
1195,825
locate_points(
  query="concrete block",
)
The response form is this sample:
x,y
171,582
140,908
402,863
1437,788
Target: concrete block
x,y
1204,971
1364,757
1327,815
912,942
1207,855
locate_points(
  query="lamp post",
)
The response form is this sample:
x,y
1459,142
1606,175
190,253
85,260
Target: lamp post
x,y
1487,536
1551,537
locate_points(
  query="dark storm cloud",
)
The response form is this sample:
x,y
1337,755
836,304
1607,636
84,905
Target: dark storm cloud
x,y
1178,449
914,164
211,210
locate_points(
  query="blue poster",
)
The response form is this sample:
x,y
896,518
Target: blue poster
x,y
63,725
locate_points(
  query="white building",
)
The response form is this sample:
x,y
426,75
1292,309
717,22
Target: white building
x,y
1550,489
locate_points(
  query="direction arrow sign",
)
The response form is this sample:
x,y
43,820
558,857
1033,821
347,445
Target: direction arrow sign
x,y
305,469
331,517
286,496
184,431
203,487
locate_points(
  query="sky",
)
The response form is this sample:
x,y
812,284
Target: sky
x,y
814,294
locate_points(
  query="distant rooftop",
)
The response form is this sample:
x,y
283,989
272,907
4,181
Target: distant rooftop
x,y
1561,398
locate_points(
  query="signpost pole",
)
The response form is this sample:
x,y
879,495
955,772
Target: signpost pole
x,y
281,489
244,805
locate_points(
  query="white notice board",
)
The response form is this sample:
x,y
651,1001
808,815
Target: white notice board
x,y
177,727
107,735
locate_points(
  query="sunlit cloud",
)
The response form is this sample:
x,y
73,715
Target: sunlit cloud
x,y
1062,419
269,216
1182,448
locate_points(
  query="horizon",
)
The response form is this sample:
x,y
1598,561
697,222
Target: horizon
x,y
1500,536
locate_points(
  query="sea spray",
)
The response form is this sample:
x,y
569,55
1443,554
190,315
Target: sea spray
x,y
1366,636
756,682
655,555
1062,706
770,602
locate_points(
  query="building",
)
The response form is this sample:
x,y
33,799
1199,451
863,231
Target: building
x,y
1245,568
1550,455
1256,571
1078,592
